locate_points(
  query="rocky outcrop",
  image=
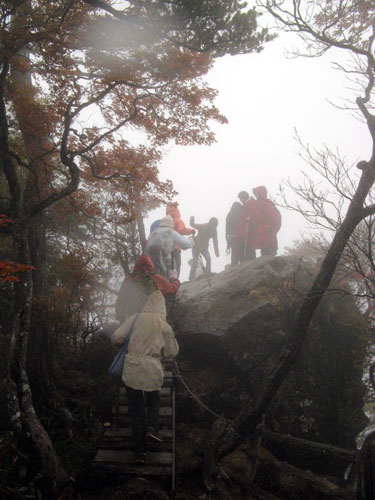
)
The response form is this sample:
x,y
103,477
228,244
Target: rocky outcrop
x,y
232,327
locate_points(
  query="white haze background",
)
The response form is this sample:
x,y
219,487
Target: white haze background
x,y
266,98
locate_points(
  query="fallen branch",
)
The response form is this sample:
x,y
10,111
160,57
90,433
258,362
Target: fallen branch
x,y
292,482
321,448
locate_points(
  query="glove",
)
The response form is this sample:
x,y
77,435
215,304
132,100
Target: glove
x,y
173,274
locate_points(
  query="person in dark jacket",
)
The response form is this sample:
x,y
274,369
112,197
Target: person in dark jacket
x,y
242,243
201,243
233,218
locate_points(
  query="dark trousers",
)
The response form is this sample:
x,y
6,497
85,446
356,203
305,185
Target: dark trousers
x,y
206,254
176,258
140,422
268,251
235,250
247,253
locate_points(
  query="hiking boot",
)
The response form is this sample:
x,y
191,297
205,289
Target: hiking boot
x,y
154,434
139,458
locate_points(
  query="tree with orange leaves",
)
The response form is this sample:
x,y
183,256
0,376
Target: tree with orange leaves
x,y
75,77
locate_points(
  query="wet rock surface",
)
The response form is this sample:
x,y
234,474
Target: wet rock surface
x,y
234,325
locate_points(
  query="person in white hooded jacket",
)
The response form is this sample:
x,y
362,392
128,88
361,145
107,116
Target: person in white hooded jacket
x,y
143,372
161,243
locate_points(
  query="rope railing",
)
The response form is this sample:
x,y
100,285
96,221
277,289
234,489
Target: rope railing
x,y
194,396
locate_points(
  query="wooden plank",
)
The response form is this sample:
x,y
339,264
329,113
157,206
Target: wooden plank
x,y
164,400
325,449
164,391
124,421
127,457
116,455
128,444
164,411
133,469
123,432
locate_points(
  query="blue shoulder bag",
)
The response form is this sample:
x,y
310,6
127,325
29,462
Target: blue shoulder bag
x,y
115,370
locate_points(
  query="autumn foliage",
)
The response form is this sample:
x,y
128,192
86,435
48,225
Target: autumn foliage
x,y
9,271
91,93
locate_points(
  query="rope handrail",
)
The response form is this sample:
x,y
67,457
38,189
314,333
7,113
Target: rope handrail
x,y
194,396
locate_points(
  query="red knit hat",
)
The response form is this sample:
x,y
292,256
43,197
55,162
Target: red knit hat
x,y
144,263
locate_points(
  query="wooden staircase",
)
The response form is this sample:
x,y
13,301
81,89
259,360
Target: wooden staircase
x,y
116,454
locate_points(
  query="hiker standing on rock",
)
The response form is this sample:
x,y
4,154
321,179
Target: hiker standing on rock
x,y
162,242
143,372
243,228
201,243
265,223
232,219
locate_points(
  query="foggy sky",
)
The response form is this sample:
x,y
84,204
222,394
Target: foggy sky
x,y
266,97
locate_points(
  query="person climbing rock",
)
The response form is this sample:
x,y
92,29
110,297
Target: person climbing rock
x,y
137,285
179,226
265,223
143,372
232,219
161,244
201,243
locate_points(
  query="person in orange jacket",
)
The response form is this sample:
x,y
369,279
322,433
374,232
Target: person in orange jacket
x,y
179,226
139,284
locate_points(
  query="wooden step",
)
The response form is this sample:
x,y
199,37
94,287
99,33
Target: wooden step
x,y
124,421
128,444
169,382
139,470
164,411
164,400
123,439
168,365
124,432
116,454
164,391
127,457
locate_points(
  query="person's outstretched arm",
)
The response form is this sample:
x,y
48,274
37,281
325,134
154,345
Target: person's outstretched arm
x,y
193,223
216,244
181,241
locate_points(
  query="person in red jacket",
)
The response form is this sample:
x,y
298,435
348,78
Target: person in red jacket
x,y
139,284
179,226
264,223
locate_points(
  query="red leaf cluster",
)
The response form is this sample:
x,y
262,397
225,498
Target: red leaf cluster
x,y
4,220
9,271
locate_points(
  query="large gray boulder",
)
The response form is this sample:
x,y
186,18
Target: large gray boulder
x,y
215,303
233,325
